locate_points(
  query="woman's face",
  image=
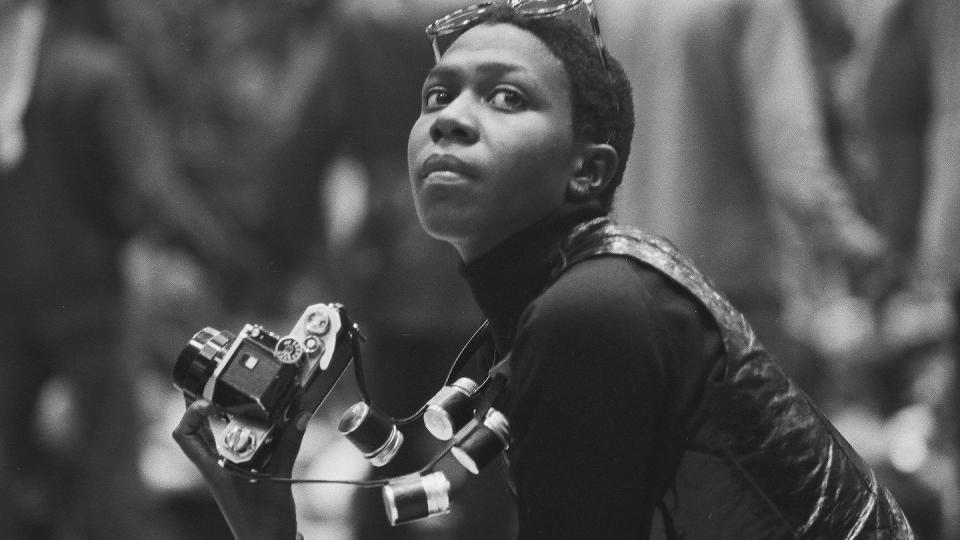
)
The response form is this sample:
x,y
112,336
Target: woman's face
x,y
493,149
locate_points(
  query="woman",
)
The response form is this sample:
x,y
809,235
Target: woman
x,y
638,400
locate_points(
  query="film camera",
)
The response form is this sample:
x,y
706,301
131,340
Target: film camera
x,y
261,382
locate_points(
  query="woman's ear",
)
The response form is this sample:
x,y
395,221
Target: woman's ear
x,y
596,167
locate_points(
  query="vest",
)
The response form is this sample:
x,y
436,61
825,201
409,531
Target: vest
x,y
763,462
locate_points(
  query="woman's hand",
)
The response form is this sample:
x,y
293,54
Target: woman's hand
x,y
261,509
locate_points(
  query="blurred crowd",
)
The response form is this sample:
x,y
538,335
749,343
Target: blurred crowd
x,y
170,165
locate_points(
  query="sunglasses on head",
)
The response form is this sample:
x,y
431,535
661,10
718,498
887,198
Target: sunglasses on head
x,y
465,18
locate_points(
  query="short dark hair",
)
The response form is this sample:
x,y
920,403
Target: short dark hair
x,y
602,102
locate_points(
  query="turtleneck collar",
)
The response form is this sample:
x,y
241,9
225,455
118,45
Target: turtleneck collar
x,y
508,277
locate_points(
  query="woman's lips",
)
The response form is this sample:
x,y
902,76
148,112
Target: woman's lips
x,y
445,168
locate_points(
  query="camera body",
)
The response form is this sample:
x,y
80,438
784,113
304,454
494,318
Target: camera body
x,y
260,382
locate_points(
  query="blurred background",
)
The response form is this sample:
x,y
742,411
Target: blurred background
x,y
170,165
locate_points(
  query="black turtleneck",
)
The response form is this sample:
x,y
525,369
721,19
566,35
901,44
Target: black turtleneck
x,y
607,365
508,277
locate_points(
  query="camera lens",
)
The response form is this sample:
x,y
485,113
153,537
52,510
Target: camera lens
x,y
372,433
450,409
199,359
416,496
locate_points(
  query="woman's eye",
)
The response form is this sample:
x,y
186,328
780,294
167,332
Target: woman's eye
x,y
507,99
436,98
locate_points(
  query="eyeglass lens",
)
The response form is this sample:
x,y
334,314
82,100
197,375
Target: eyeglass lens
x,y
462,19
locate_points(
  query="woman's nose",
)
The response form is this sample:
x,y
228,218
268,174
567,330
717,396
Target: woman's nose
x,y
455,122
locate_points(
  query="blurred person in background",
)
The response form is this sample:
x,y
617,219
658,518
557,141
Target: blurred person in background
x,y
887,74
230,81
82,167
730,138
939,251
744,157
737,161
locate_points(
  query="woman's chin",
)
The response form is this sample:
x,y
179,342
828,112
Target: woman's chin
x,y
446,224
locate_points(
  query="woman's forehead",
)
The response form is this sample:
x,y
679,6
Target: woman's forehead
x,y
504,44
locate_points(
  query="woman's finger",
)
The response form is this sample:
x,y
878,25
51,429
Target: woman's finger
x,y
193,432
